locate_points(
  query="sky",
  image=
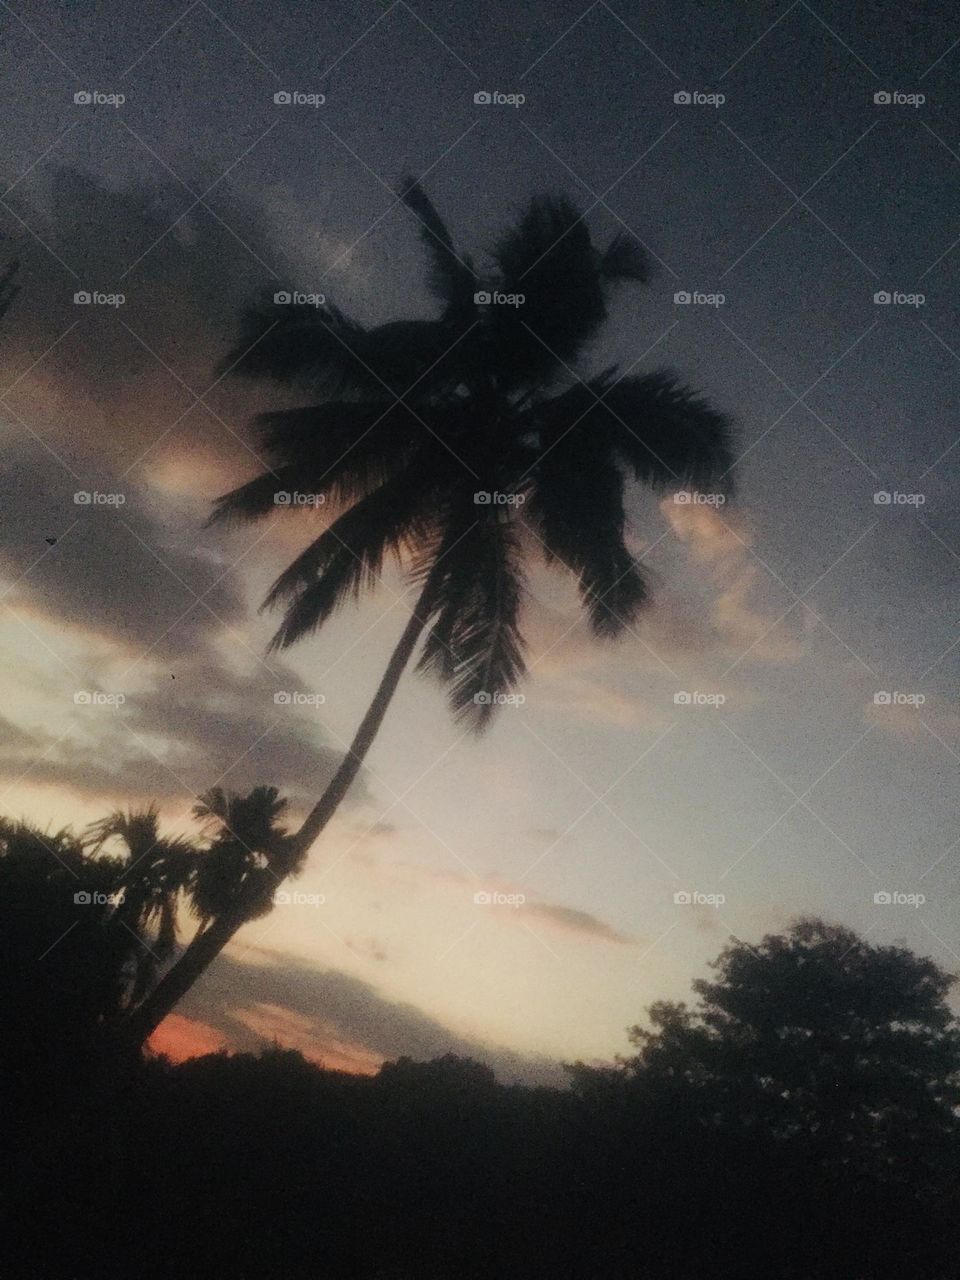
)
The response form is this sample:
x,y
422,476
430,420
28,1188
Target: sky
x,y
778,736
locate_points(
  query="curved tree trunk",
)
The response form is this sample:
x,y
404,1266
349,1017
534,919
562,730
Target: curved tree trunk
x,y
206,946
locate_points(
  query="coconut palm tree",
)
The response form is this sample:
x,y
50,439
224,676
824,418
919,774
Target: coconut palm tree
x,y
232,882
456,445
155,873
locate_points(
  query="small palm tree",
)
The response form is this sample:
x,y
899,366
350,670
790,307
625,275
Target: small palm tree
x,y
248,856
232,881
156,871
457,444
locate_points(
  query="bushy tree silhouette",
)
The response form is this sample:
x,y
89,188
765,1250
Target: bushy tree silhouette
x,y
797,1122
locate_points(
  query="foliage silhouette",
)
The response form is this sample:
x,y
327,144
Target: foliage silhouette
x,y
419,418
799,1122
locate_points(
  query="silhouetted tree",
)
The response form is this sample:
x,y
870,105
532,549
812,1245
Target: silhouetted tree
x,y
420,419
798,1122
814,1088
155,876
235,878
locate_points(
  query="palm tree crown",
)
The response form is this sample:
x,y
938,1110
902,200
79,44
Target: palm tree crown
x,y
454,443
248,856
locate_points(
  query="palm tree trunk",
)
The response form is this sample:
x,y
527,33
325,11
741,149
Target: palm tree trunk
x,y
206,946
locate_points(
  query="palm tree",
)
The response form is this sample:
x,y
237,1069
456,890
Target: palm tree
x,y
231,882
156,871
456,444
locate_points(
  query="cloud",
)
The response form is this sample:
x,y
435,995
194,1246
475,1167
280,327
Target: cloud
x,y
179,1038
736,623
334,1017
567,920
178,736
598,703
113,570
571,920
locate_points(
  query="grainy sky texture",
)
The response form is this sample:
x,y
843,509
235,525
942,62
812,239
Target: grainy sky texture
x,y
781,731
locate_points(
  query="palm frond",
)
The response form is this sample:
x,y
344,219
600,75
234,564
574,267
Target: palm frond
x,y
335,452
577,510
259,497
293,344
475,646
549,260
670,437
348,556
625,259
450,278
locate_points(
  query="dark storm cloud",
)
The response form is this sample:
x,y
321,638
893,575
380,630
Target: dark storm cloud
x,y
199,725
113,384
109,565
346,1008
